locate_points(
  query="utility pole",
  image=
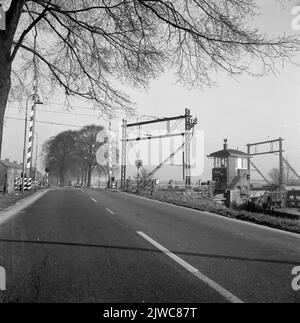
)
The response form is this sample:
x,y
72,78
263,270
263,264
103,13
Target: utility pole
x,y
110,153
30,158
281,167
31,133
124,153
24,146
36,156
188,138
189,125
36,100
249,161
183,165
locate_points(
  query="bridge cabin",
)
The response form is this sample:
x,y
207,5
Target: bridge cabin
x,y
230,170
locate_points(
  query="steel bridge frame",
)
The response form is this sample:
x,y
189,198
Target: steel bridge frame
x,y
190,123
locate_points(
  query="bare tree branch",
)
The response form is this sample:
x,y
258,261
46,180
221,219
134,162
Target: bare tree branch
x,y
86,47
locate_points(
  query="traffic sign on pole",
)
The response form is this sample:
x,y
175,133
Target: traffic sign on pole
x,y
139,163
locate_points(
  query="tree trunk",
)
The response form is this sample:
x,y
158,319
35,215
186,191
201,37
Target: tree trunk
x,y
5,83
89,177
62,174
85,178
6,42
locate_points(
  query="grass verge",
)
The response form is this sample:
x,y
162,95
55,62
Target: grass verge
x,y
208,205
10,199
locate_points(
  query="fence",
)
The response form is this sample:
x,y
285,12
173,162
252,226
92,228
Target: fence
x,y
193,191
196,191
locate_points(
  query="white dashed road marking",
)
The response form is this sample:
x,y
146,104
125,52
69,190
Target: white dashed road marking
x,y
93,200
219,289
108,210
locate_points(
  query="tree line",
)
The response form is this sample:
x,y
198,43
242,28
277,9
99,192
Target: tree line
x,y
73,154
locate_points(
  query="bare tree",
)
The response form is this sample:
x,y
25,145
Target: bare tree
x,y
59,155
87,146
274,175
84,46
73,153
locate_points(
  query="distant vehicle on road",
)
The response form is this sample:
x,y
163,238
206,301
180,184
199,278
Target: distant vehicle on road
x,y
78,185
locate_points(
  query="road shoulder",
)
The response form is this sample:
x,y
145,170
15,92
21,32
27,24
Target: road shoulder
x,y
225,218
11,211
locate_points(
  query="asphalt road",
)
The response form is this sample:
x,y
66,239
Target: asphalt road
x,y
78,245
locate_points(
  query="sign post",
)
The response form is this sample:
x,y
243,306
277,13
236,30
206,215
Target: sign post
x,y
139,165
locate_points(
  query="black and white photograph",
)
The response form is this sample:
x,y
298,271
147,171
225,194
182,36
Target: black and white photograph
x,y
149,155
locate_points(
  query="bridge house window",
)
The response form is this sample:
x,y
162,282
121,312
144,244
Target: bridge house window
x,y
241,163
220,163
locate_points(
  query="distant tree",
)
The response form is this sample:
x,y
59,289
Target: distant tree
x,y
87,145
274,175
83,47
59,155
295,182
73,153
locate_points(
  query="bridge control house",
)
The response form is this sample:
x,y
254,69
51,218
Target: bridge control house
x,y
230,171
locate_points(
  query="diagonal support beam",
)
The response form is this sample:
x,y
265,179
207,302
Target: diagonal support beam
x,y
291,168
259,172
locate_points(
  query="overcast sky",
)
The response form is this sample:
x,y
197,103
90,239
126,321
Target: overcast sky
x,y
244,111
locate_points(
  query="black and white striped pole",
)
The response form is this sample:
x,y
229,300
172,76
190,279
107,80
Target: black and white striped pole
x,y
26,162
36,157
30,138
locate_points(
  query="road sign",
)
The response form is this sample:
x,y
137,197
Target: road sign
x,y
138,163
